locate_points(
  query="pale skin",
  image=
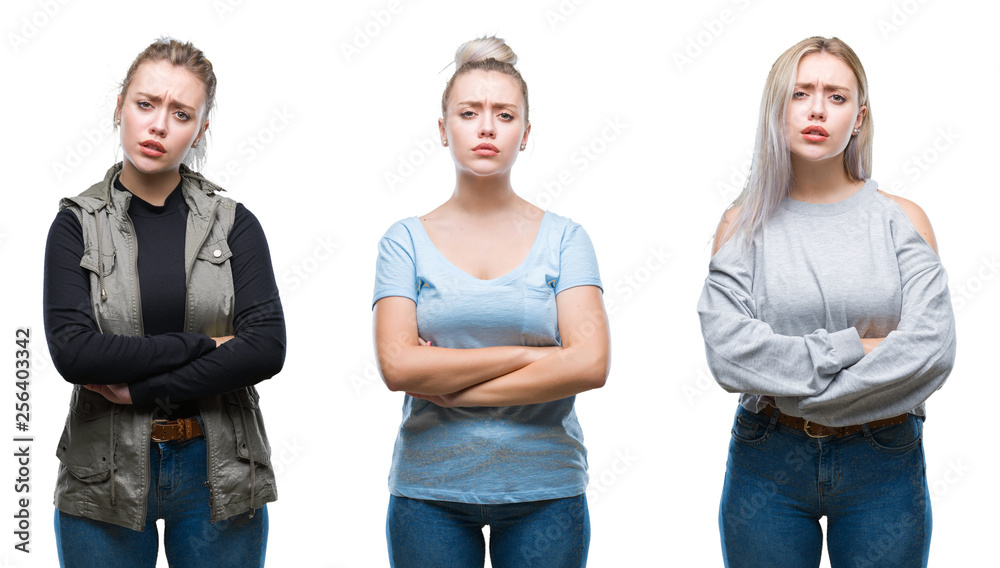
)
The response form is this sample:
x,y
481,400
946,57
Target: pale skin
x,y
826,94
166,104
486,230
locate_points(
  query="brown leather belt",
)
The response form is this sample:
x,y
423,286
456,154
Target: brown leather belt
x,y
820,431
182,429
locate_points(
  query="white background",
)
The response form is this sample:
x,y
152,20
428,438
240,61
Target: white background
x,y
658,432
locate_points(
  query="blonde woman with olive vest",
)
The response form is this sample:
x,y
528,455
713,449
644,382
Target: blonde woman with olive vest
x,y
161,308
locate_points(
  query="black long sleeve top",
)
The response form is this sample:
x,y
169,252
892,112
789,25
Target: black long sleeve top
x,y
166,367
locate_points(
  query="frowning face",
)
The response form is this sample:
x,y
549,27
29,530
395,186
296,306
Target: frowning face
x,y
824,109
484,123
161,115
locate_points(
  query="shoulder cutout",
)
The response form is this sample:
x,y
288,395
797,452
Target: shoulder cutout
x,y
722,233
916,216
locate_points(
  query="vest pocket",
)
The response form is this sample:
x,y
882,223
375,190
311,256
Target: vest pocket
x,y
253,437
92,261
212,305
84,447
216,252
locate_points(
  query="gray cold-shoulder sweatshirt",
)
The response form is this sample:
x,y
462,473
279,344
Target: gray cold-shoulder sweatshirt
x,y
783,317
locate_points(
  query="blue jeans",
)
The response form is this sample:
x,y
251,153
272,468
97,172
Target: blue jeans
x,y
178,494
871,486
552,534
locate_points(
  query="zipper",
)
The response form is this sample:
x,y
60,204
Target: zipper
x,y
134,253
188,324
208,468
135,268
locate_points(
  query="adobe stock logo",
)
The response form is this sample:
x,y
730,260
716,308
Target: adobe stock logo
x,y
965,291
90,139
711,29
371,29
559,13
253,145
601,483
30,26
899,16
922,161
410,161
624,288
294,277
580,160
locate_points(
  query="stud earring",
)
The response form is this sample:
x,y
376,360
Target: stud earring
x,y
856,131
523,146
444,142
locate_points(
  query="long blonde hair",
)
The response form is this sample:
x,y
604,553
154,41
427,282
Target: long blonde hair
x,y
771,175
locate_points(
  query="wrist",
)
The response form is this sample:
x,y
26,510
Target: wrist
x,y
533,354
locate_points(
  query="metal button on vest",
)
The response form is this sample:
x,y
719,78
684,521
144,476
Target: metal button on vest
x,y
216,253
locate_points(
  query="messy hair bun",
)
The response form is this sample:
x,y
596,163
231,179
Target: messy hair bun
x,y
484,48
486,54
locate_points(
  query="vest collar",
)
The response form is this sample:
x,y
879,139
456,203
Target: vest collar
x,y
199,194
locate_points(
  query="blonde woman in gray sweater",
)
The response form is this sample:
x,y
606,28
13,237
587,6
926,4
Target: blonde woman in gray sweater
x,y
827,308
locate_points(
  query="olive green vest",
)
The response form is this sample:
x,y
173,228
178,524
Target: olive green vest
x,y
104,449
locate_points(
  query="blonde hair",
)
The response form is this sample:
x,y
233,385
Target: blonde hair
x,y
486,54
771,176
180,54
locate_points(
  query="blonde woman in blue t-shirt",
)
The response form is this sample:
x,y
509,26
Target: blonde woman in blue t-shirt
x,y
488,314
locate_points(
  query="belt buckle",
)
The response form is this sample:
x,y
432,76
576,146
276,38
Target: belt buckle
x,y
159,421
805,428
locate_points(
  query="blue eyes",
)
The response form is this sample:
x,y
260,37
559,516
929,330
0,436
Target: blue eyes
x,y
836,97
504,116
181,115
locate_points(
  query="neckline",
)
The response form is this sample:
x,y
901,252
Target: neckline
x,y
862,195
513,273
139,206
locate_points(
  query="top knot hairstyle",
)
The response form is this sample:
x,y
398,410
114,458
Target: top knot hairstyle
x,y
486,54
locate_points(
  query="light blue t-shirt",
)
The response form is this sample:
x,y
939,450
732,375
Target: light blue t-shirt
x,y
483,455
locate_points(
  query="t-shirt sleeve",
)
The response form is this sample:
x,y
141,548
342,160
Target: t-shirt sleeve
x,y
257,350
577,261
745,354
80,352
396,267
913,360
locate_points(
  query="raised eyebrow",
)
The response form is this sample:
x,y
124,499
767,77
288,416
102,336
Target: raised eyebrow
x,y
479,104
157,98
828,88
